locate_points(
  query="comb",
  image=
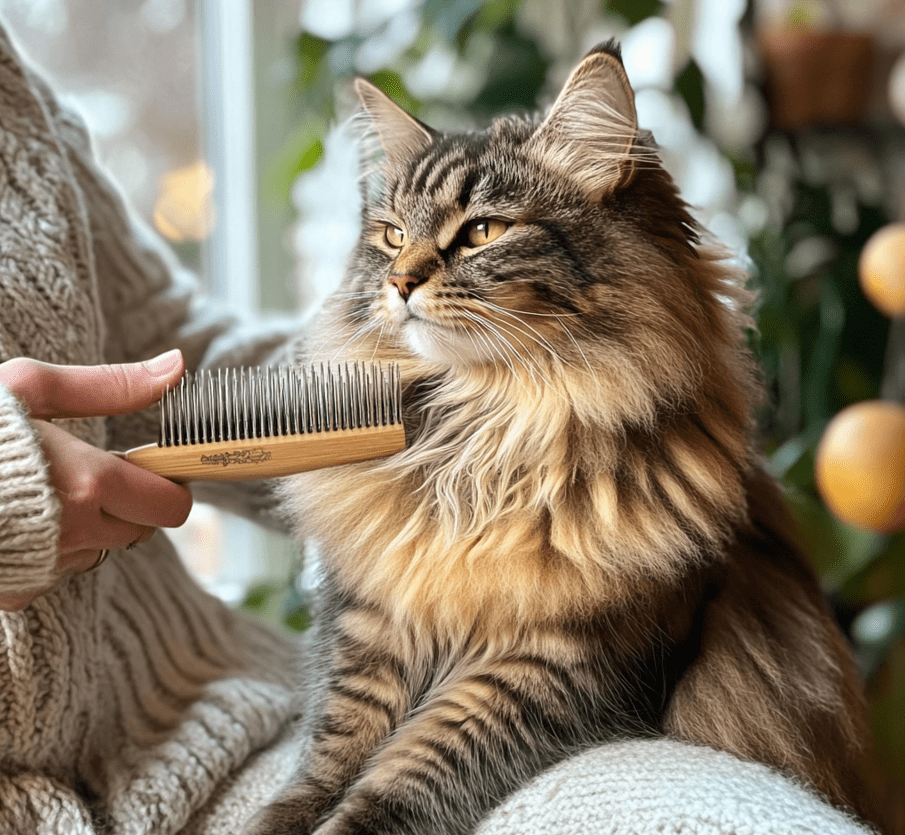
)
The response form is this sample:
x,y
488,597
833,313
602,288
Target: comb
x,y
242,423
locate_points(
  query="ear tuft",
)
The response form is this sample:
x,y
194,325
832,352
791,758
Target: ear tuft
x,y
401,135
612,47
590,133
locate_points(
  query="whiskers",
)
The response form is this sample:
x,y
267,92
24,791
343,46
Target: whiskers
x,y
538,337
525,343
495,346
512,346
358,324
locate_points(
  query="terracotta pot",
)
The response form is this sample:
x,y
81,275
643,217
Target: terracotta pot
x,y
816,78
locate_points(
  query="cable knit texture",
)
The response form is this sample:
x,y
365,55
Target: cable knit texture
x,y
129,698
29,526
131,702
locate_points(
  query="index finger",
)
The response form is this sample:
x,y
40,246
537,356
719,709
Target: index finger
x,y
67,391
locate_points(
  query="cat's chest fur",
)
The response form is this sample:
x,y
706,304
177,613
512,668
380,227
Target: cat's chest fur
x,y
506,507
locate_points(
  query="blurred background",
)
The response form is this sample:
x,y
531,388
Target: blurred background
x,y
783,122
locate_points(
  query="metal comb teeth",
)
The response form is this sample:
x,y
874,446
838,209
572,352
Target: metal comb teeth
x,y
242,403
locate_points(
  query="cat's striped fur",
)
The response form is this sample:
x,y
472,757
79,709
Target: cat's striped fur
x,y
579,543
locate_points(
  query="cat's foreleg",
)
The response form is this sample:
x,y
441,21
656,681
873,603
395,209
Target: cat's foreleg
x,y
468,747
361,700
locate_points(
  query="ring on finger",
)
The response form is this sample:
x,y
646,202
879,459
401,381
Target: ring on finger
x,y
138,540
100,559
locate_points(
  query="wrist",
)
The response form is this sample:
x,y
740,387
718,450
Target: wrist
x,y
28,505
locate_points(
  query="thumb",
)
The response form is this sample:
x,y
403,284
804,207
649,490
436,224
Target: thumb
x,y
61,391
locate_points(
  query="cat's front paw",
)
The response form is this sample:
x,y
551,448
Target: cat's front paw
x,y
370,816
284,817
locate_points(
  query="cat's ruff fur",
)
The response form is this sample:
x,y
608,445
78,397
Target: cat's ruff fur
x,y
578,543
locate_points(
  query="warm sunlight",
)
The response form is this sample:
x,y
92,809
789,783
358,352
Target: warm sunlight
x,y
185,205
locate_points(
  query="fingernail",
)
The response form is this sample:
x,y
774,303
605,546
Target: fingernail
x,y
163,364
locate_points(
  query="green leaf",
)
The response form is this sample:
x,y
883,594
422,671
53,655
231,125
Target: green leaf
x,y
633,11
298,620
838,551
309,157
817,382
886,709
690,85
854,381
310,51
881,577
496,15
745,173
301,152
296,612
257,596
515,76
793,461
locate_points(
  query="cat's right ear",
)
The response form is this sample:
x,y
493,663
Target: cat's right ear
x,y
590,132
401,136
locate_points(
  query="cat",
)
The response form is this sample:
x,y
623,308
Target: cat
x,y
579,543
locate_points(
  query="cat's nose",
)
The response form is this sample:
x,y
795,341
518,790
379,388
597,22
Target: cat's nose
x,y
405,284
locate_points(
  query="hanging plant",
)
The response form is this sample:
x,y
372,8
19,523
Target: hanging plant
x,y
815,76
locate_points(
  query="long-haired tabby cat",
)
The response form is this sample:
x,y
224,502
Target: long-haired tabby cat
x,y
579,543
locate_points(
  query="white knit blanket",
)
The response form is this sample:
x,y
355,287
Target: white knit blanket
x,y
662,787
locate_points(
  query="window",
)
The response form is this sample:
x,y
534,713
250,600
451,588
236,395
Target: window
x,y
188,104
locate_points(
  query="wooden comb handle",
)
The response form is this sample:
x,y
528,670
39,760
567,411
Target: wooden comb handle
x,y
247,459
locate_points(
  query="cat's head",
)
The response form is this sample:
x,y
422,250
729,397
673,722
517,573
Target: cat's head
x,y
536,243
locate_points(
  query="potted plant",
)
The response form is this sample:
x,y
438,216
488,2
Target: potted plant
x,y
817,73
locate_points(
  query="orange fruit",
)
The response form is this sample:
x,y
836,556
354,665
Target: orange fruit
x,y
881,269
861,465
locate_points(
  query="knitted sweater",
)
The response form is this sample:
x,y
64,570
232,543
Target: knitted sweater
x,y
131,702
128,697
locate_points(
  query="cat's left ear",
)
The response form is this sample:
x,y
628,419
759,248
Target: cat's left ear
x,y
401,135
591,129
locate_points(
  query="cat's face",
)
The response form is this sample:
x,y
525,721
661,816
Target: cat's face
x,y
466,245
525,244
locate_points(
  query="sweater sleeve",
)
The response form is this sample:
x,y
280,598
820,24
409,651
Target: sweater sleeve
x,y
151,304
29,510
47,311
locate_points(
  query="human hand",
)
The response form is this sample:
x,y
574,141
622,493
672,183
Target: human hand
x,y
106,501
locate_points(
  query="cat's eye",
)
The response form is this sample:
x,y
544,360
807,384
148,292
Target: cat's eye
x,y
394,236
484,230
